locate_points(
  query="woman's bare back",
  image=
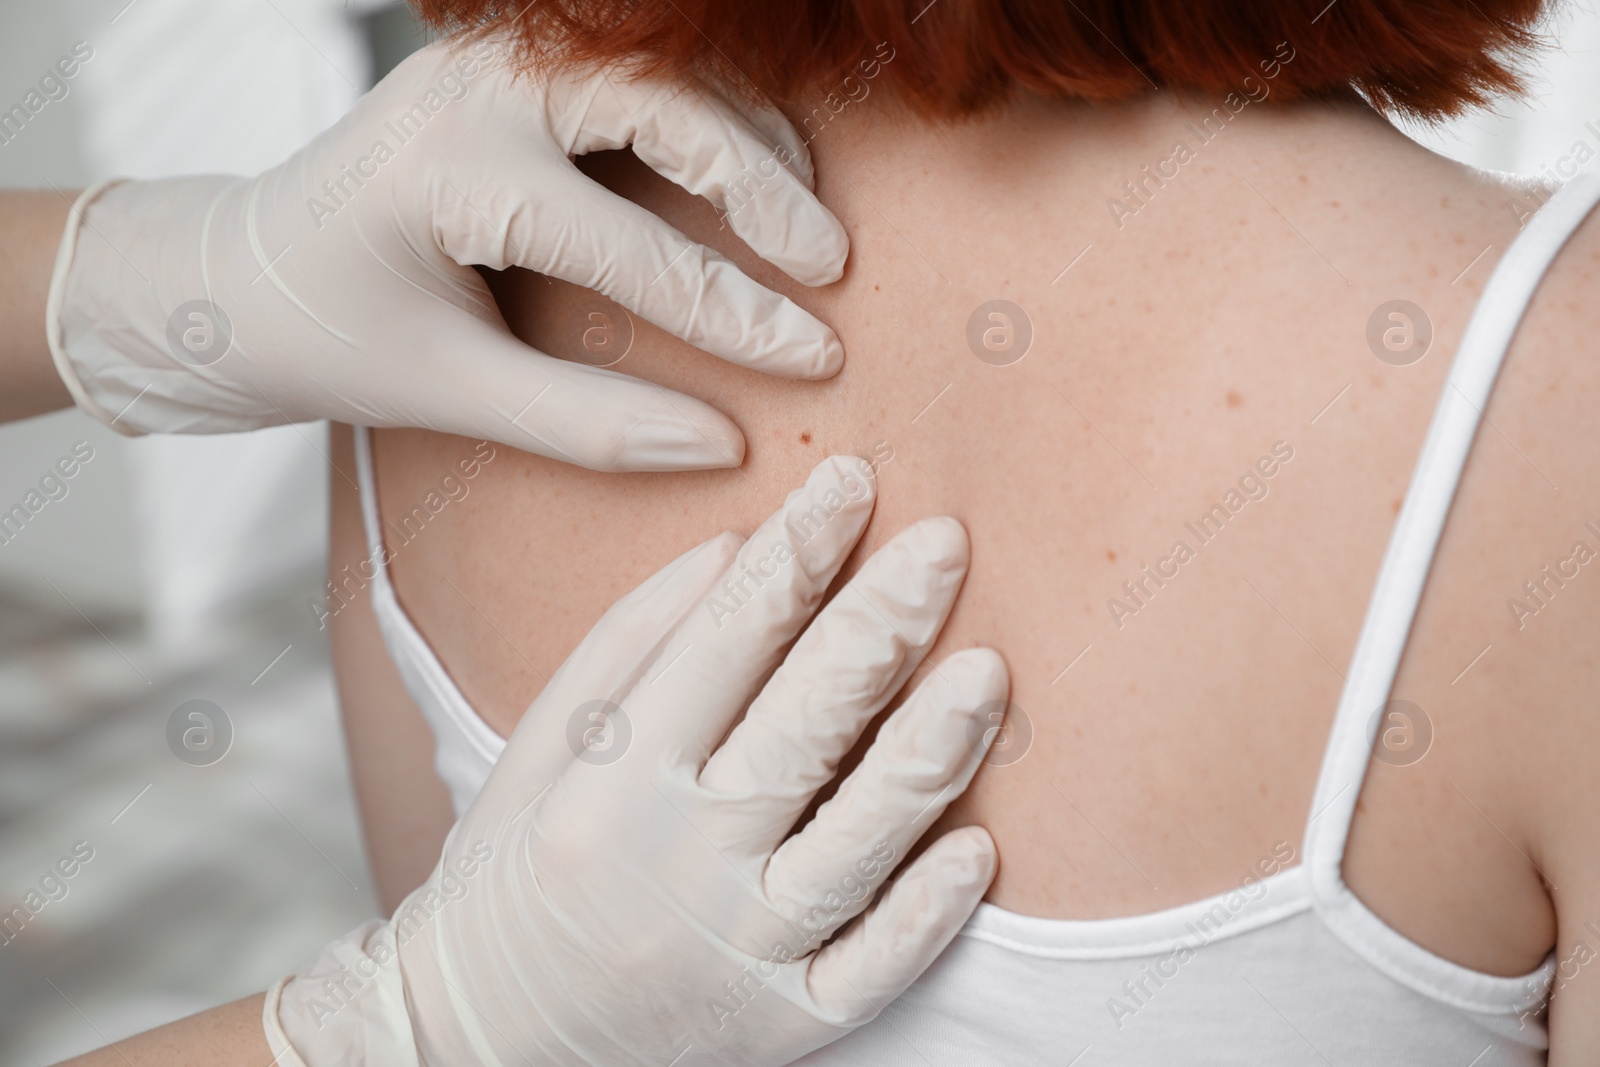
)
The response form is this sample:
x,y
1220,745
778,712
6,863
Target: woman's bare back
x,y
1200,328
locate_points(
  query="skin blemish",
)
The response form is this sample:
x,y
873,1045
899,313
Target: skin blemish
x,y
805,438
1234,399
1112,556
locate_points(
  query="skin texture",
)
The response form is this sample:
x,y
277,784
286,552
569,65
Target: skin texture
x,y
225,1036
30,228
1173,752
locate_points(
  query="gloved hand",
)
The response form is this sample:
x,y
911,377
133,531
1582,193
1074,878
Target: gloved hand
x,y
648,902
336,285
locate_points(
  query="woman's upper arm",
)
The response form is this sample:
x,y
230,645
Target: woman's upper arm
x,y
1572,870
1557,615
405,808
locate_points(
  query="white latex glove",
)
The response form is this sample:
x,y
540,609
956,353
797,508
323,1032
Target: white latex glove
x,y
648,902
336,285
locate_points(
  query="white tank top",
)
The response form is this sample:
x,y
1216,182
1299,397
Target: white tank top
x,y
1290,968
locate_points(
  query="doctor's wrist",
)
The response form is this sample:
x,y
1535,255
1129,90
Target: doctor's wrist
x,y
31,225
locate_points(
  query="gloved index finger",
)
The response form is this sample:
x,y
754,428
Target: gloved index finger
x,y
709,669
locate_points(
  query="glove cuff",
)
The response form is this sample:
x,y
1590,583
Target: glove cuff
x,y
57,300
283,1053
347,1008
130,283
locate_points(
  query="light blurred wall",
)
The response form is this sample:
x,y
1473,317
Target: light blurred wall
x,y
1546,135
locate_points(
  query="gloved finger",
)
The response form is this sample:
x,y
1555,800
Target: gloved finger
x,y
841,673
749,162
611,658
495,387
706,145
776,130
587,235
905,930
713,663
920,761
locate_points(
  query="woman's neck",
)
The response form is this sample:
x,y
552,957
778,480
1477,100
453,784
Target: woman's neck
x,y
1117,162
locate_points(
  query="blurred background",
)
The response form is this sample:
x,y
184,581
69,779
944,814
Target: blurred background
x,y
180,569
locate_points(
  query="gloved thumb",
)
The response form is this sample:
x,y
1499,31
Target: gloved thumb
x,y
482,382
578,715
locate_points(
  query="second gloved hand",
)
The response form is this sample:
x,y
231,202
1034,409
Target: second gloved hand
x,y
338,284
648,901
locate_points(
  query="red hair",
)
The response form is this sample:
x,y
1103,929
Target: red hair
x,y
1424,58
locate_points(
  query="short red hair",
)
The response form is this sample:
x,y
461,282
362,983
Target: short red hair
x,y
1424,58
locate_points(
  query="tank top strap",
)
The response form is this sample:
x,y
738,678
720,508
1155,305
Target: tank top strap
x,y
370,523
1404,573
467,747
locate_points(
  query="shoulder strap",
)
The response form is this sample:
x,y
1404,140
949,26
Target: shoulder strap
x,y
368,487
1404,573
466,747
